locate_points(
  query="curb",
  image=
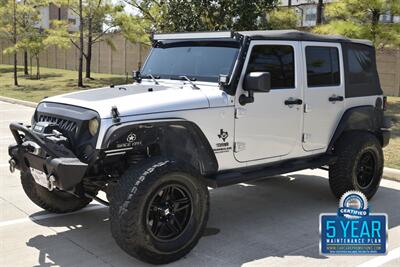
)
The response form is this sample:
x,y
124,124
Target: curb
x,y
391,174
17,101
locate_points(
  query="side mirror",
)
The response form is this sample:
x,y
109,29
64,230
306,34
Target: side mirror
x,y
136,76
257,82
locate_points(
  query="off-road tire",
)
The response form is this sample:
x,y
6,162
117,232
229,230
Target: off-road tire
x,y
350,149
131,198
52,201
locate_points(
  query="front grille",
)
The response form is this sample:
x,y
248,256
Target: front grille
x,y
64,124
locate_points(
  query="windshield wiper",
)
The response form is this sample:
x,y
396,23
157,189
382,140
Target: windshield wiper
x,y
183,77
151,77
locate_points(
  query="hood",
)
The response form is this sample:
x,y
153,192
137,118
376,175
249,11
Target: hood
x,y
145,98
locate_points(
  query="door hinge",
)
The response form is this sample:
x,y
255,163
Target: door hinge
x,y
239,146
240,112
307,108
306,137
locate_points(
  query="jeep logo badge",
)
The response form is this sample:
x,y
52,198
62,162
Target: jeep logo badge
x,y
131,138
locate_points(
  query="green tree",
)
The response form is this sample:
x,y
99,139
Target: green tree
x,y
77,38
361,19
96,18
28,22
320,8
39,40
19,21
99,17
282,18
9,30
199,15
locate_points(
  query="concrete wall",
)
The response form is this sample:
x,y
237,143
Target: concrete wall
x,y
125,58
388,62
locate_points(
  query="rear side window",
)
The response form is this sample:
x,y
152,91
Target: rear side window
x,y
360,65
277,60
360,70
322,66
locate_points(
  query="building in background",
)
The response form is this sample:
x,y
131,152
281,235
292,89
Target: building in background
x,y
53,12
307,10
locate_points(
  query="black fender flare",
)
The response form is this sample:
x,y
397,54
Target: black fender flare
x,y
365,118
176,138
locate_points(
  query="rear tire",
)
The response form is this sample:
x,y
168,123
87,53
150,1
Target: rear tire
x,y
359,165
159,210
52,201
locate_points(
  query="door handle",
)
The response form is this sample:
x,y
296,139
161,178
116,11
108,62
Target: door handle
x,y
335,98
292,101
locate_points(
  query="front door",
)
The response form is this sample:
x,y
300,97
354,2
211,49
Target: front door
x,y
323,93
268,128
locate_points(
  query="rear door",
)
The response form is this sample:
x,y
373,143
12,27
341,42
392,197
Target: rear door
x,y
323,93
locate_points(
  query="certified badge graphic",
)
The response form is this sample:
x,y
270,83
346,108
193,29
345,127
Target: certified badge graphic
x,y
353,205
353,229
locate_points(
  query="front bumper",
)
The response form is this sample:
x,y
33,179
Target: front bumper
x,y
62,169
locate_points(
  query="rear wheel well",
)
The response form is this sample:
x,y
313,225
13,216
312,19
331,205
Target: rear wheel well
x,y
356,132
361,118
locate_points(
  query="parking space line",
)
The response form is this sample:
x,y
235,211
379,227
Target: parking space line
x,y
7,121
50,216
15,110
380,260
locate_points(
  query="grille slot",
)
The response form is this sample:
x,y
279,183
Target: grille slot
x,y
64,124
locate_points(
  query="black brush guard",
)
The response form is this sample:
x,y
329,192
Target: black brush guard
x,y
59,164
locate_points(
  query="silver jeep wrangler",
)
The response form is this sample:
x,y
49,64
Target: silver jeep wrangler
x,y
207,109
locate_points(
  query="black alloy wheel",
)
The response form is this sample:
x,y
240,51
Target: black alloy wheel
x,y
365,169
169,212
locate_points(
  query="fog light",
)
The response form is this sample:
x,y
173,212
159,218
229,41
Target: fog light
x,y
93,126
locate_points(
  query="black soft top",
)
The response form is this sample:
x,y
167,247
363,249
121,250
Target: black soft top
x,y
287,35
294,35
363,80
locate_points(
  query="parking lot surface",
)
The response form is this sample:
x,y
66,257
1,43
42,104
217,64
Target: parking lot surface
x,y
270,222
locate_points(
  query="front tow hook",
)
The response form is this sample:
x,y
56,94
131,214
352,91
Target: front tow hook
x,y
50,183
13,164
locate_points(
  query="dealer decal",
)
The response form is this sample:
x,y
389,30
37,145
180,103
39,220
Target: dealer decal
x,y
223,146
353,229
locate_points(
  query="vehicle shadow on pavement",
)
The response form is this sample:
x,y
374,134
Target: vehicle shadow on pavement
x,y
274,217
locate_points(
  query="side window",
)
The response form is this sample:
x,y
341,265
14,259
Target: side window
x,y
322,66
275,59
360,64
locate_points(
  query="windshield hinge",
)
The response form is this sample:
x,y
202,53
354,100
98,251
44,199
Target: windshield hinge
x,y
115,114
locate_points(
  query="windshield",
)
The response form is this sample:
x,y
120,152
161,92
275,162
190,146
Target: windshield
x,y
202,63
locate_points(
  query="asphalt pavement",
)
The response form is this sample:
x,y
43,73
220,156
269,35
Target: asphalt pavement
x,y
270,222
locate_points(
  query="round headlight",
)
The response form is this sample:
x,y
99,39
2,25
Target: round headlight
x,y
93,126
